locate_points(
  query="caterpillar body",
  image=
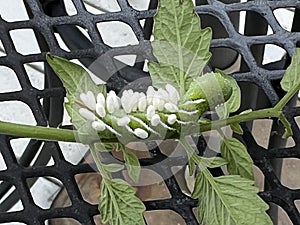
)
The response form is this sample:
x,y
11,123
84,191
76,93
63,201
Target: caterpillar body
x,y
156,113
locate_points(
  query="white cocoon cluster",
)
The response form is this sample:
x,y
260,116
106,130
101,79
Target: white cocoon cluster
x,y
88,99
151,103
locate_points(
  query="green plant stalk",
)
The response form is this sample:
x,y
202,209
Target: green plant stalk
x,y
98,163
259,114
201,164
37,132
287,97
55,134
192,154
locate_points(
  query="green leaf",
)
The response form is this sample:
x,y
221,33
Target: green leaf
x,y
212,162
108,147
221,111
76,81
133,165
239,161
229,200
291,76
113,167
192,167
180,46
119,205
236,127
215,162
234,102
74,77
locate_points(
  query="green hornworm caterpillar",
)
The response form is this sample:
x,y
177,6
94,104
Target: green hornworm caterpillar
x,y
155,112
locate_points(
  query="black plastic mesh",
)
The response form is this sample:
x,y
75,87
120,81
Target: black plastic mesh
x,y
49,16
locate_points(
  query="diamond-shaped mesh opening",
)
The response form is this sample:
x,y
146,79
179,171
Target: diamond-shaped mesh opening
x,y
151,186
18,37
58,221
285,21
268,57
289,173
35,73
73,152
101,6
97,220
14,11
257,17
127,59
47,187
218,30
9,80
19,145
225,62
138,5
68,30
283,217
70,7
153,217
117,34
89,185
38,99
16,111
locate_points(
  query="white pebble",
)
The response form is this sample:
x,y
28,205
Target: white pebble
x,y
140,133
87,114
155,120
98,125
100,110
172,119
125,120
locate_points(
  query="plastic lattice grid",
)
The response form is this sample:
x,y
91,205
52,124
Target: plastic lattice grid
x,y
47,17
